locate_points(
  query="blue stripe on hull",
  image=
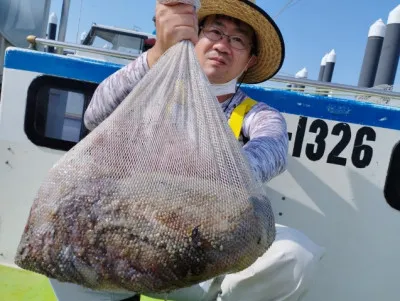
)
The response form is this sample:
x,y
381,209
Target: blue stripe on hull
x,y
343,110
57,65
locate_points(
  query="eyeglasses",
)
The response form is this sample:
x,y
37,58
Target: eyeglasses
x,y
214,34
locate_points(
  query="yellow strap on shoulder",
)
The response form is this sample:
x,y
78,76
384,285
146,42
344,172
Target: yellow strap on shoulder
x,y
237,116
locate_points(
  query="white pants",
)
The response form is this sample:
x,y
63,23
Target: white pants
x,y
283,273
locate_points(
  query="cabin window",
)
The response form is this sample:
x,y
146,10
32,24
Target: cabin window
x,y
55,110
392,185
126,42
59,114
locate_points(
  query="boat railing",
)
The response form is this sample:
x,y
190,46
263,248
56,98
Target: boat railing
x,y
34,42
382,94
379,95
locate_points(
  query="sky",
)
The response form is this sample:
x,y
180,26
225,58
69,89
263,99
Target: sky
x,y
310,28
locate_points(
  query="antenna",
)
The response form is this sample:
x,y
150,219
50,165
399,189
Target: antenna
x,y
79,21
288,4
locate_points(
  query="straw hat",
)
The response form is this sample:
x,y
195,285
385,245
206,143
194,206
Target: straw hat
x,y
271,47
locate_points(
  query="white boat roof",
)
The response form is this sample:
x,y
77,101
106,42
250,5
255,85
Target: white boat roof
x,y
123,30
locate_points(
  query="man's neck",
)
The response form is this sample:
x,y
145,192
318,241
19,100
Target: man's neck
x,y
223,98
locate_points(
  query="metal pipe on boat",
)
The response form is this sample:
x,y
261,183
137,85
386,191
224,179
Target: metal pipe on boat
x,y
83,37
322,67
389,58
63,23
322,71
302,74
52,30
336,87
330,66
34,41
373,50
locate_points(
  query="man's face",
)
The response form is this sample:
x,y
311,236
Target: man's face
x,y
220,61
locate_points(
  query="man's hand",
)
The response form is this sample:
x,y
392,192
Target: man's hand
x,y
175,22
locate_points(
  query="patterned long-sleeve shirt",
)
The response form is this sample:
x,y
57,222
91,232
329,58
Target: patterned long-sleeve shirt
x,y
264,128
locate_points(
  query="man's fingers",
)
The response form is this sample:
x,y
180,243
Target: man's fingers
x,y
194,39
196,24
186,33
174,22
169,2
182,9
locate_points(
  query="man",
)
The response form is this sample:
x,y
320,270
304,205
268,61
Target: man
x,y
244,57
235,41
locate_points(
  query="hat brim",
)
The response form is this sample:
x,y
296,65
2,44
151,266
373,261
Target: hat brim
x,y
271,47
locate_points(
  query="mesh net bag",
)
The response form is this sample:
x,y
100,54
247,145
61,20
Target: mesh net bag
x,y
158,197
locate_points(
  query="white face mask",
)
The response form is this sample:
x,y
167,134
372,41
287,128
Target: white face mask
x,y
224,89
227,88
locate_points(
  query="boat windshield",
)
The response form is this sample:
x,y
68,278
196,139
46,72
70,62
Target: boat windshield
x,y
125,42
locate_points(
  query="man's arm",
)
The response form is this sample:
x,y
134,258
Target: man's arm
x,y
267,147
113,90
